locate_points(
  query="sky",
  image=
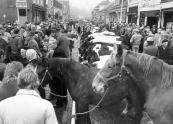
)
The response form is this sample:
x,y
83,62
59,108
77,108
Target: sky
x,y
87,4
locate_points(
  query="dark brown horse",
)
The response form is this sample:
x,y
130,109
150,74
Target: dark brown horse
x,y
152,75
78,80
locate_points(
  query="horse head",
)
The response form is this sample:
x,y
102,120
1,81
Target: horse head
x,y
43,71
111,70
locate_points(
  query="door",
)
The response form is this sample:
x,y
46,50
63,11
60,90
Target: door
x,y
152,21
22,16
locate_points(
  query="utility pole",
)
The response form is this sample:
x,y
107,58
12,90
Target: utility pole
x,y
121,14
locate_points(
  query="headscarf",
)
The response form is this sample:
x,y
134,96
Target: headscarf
x,y
31,54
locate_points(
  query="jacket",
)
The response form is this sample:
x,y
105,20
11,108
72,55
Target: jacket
x,y
136,39
127,37
8,89
15,44
4,45
151,50
164,54
27,107
32,44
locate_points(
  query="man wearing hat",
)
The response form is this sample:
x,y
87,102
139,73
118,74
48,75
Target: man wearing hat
x,y
149,48
149,41
164,51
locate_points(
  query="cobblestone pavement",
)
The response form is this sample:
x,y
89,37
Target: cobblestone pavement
x,y
104,115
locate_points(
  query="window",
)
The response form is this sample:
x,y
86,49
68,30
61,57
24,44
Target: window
x,y
22,12
40,2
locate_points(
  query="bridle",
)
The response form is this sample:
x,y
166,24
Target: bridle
x,y
46,72
119,75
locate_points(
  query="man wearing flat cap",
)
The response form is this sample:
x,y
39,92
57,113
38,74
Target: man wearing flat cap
x,y
164,51
149,48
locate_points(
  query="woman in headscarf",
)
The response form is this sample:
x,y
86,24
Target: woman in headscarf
x,y
8,86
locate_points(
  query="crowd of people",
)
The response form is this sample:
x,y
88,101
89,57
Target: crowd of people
x,y
145,39
20,46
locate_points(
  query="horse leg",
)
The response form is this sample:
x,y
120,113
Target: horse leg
x,y
82,119
138,108
138,102
65,94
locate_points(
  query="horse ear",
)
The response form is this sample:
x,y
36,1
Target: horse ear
x,y
115,47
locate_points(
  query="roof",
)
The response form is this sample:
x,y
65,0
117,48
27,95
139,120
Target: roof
x,y
108,6
104,2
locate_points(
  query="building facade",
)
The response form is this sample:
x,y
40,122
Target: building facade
x,y
166,18
8,11
58,14
97,14
117,13
65,9
37,10
104,13
132,11
22,10
150,12
50,9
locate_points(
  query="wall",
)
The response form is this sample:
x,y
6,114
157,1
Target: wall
x,y
8,7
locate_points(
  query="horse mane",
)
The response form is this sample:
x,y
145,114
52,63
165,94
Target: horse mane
x,y
147,62
167,75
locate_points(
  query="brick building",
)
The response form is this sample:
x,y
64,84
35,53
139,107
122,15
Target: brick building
x,y
8,7
22,10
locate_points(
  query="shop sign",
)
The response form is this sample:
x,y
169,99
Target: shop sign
x,y
145,3
21,4
20,0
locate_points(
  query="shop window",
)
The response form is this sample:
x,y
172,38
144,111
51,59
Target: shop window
x,y
22,12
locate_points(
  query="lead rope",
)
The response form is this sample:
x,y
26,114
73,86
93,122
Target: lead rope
x,y
74,115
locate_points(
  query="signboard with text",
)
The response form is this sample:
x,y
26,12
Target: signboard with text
x,y
21,4
20,1
145,3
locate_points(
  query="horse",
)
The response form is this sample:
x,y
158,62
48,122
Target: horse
x,y
78,80
153,76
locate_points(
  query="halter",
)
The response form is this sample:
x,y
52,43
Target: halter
x,y
120,73
108,79
47,72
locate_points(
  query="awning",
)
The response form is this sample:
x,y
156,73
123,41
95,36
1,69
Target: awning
x,y
168,11
38,7
130,13
111,12
151,13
